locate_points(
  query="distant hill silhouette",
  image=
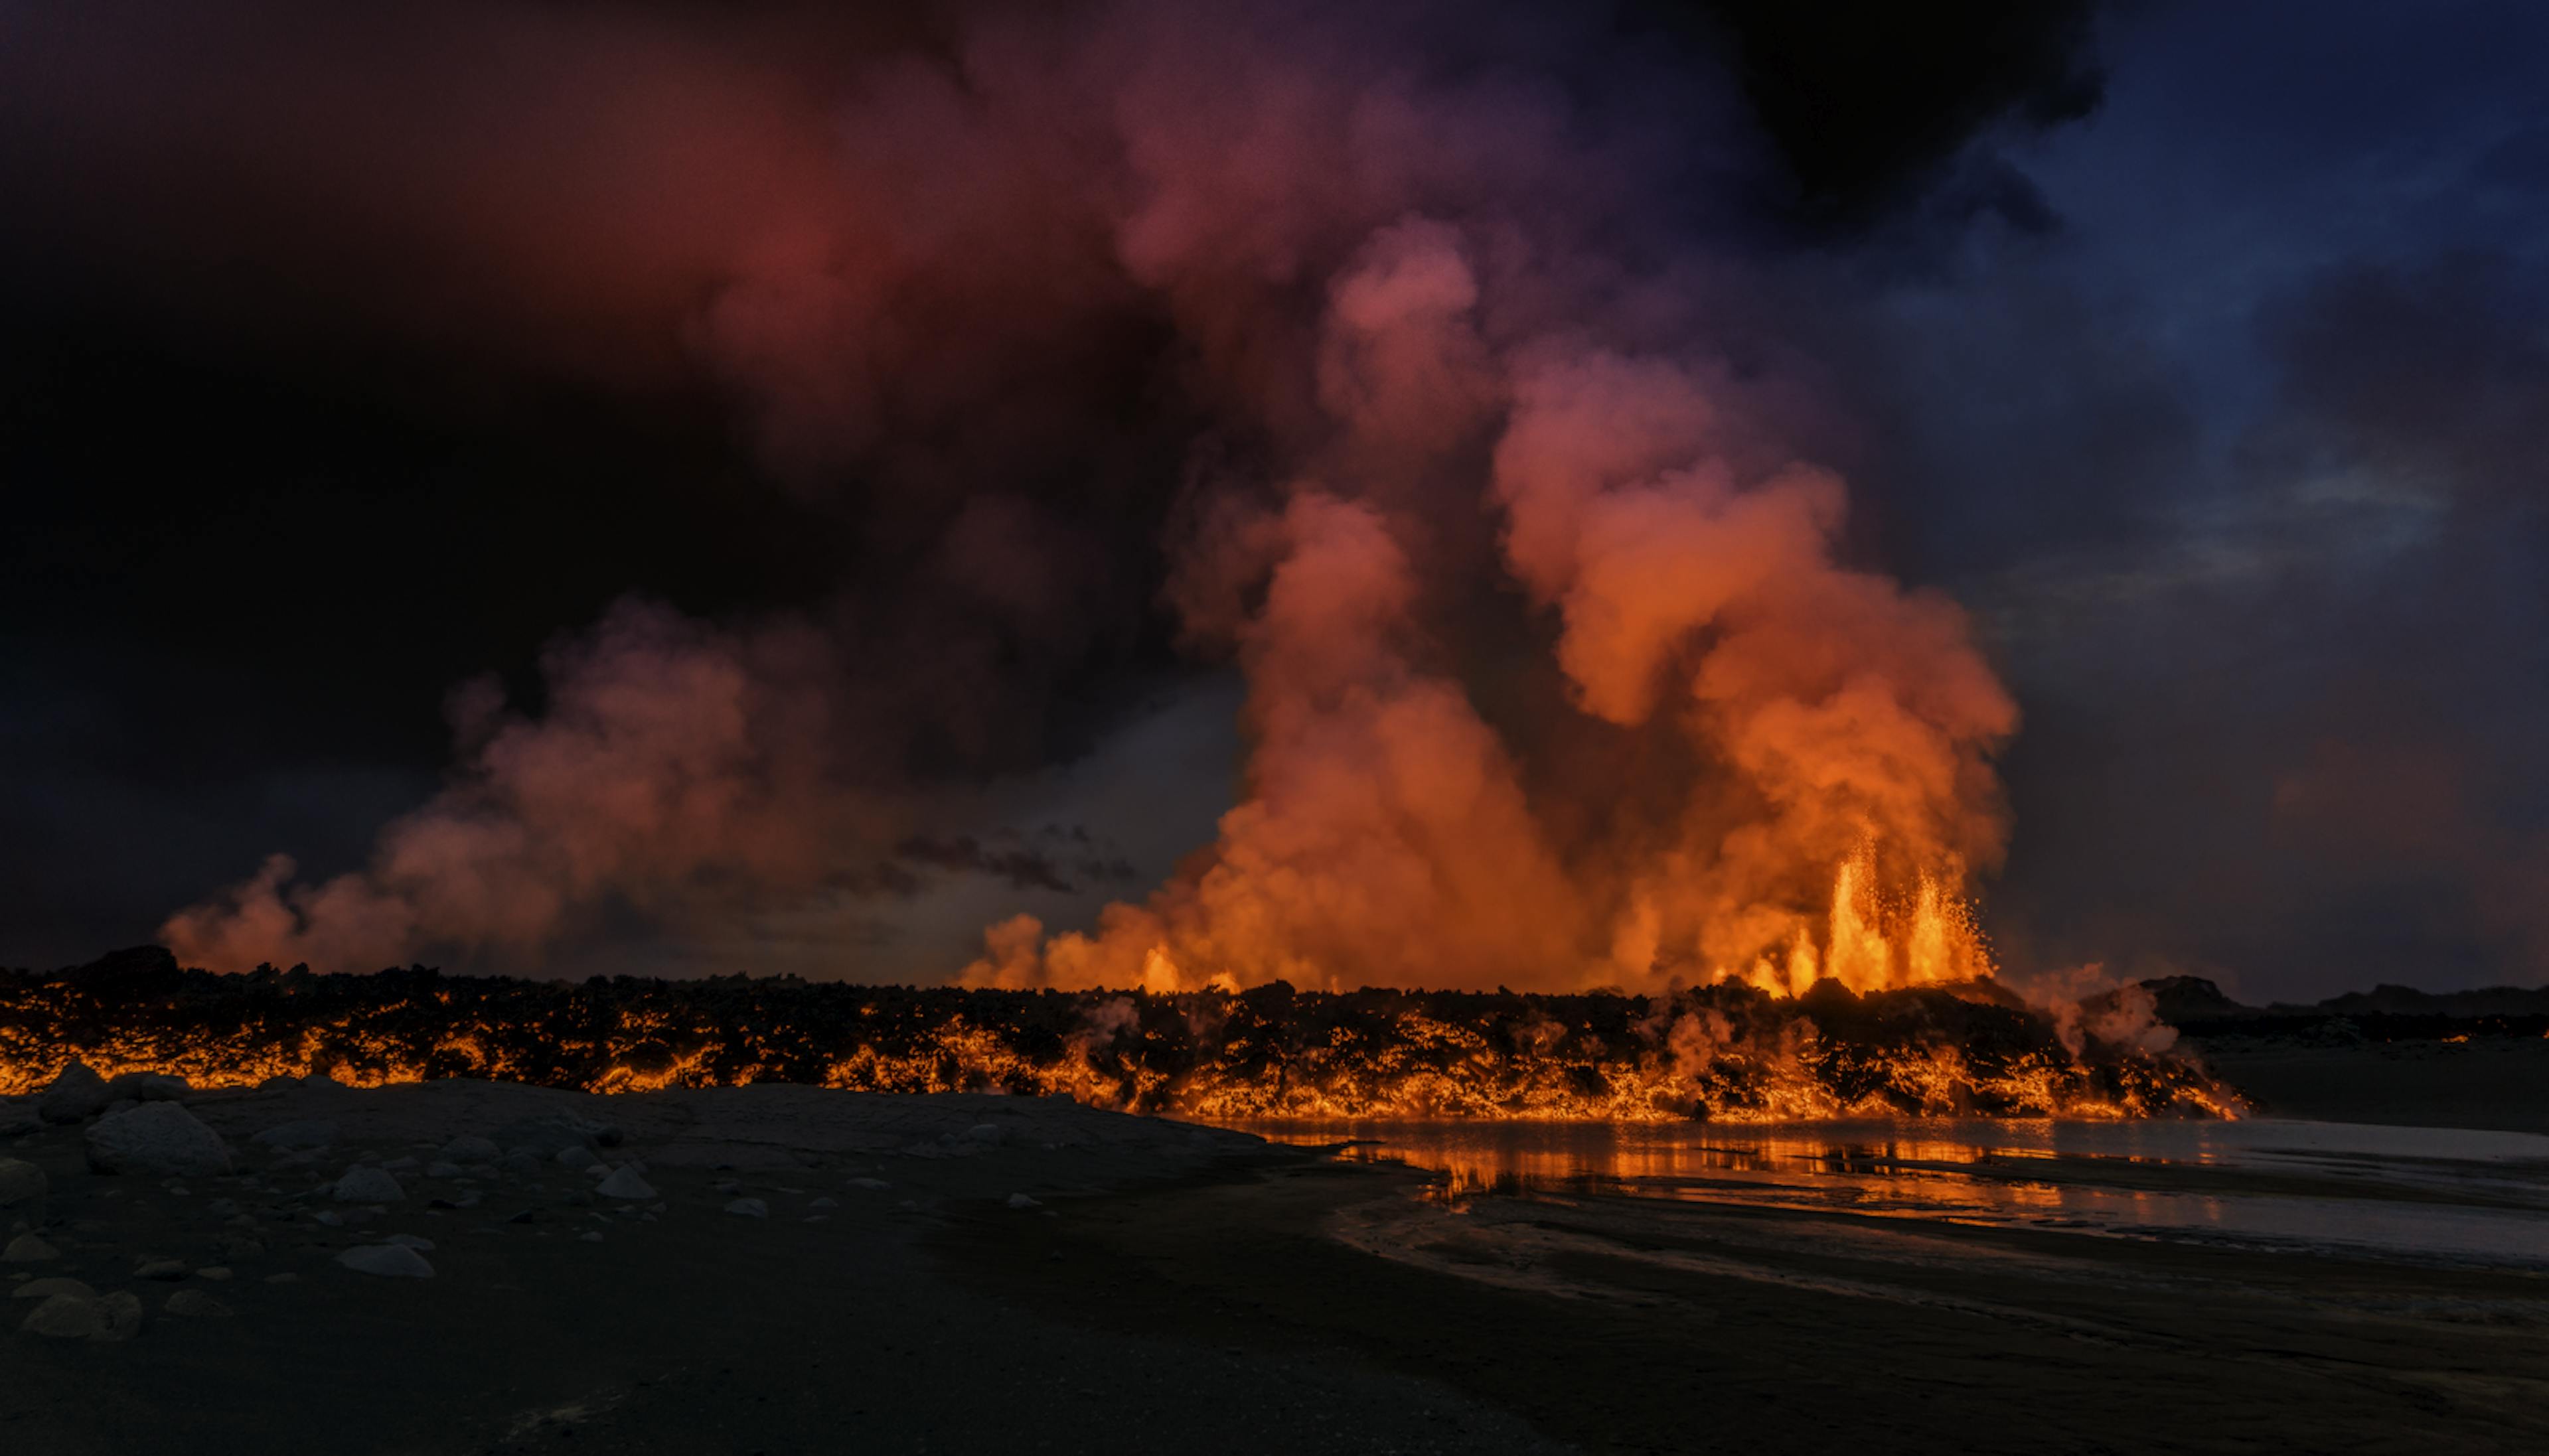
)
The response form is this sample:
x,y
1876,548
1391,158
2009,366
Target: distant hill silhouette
x,y
2198,1007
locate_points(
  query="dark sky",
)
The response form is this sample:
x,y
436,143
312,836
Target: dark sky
x,y
2202,350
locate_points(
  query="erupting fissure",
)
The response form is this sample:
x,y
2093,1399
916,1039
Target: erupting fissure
x,y
1725,1051
1870,943
1933,941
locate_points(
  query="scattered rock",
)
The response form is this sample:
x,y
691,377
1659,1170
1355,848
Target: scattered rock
x,y
283,1279
826,1203
521,1163
987,1135
392,1260
223,1208
549,1137
149,1087
367,1185
1021,1201
748,1208
472,1150
156,1137
408,1240
17,1119
45,1288
577,1156
161,1269
194,1304
111,1317
399,1165
75,1094
590,1237
27,1248
21,1182
217,1274
624,1183
318,1132
443,1170
122,1315
878,1183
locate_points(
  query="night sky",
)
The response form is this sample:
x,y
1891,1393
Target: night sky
x,y
354,359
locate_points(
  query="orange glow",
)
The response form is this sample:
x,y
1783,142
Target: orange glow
x,y
1871,945
1726,1052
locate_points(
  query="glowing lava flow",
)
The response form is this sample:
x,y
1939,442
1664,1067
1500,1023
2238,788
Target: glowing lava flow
x,y
1728,1052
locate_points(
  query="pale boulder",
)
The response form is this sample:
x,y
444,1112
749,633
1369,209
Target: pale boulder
x,y
367,1185
156,1137
75,1094
390,1260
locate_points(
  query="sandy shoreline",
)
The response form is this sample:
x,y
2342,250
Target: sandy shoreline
x,y
1035,1275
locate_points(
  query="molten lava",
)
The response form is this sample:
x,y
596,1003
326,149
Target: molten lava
x,y
1728,1052
1934,940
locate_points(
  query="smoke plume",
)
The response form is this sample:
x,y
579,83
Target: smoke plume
x,y
1398,358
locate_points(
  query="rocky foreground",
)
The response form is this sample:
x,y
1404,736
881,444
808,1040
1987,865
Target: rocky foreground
x,y
458,1267
135,1200
473,1268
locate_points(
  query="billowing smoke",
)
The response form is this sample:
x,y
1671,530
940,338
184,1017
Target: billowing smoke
x,y
1794,722
671,756
1482,460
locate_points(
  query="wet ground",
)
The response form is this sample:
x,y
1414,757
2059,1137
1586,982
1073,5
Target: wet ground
x,y
2425,1194
1871,1290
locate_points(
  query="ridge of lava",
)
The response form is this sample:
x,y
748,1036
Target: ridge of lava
x,y
1727,1052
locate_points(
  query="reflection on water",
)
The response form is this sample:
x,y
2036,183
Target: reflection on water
x,y
2416,1192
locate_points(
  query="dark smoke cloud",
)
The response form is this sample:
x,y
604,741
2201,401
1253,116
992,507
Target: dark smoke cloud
x,y
1872,105
999,304
1047,860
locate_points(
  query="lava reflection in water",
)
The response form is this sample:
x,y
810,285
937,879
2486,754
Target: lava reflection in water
x,y
2391,1192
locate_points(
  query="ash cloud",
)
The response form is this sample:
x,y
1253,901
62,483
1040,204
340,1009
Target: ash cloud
x,y
1049,859
1398,358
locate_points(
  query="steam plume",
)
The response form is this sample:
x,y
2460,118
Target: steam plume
x,y
1558,672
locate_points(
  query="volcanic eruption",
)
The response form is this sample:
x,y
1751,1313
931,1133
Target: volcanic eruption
x,y
1493,464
